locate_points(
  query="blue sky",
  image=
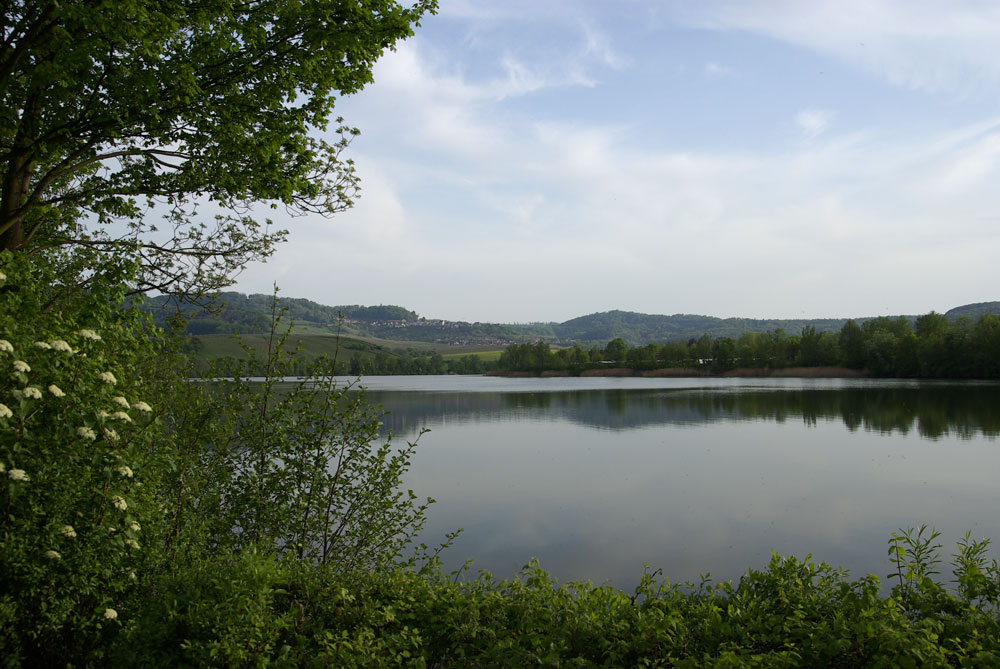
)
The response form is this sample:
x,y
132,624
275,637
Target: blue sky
x,y
526,161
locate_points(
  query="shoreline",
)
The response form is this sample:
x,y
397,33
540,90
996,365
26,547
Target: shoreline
x,y
688,372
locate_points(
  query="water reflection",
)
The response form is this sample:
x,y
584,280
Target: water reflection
x,y
597,482
931,411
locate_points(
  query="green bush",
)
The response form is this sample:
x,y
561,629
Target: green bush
x,y
78,460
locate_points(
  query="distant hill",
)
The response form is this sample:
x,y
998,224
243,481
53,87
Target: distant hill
x,y
974,311
638,329
251,314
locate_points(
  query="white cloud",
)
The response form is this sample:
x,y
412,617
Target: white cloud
x,y
812,122
918,44
716,70
485,201
966,169
599,45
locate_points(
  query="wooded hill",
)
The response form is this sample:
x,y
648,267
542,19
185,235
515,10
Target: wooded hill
x,y
251,314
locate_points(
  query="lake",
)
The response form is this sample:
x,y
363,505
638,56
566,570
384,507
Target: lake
x,y
597,476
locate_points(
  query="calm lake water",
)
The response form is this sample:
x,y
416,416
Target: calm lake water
x,y
597,476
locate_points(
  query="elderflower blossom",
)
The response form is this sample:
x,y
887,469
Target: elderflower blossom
x,y
67,531
18,475
52,555
119,503
5,411
110,614
86,433
55,391
21,366
122,416
42,345
108,378
134,526
142,406
87,333
32,392
111,435
120,401
61,346
3,277
132,543
126,471
132,576
5,346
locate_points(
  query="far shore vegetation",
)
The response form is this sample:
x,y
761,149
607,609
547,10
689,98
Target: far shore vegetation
x,y
931,346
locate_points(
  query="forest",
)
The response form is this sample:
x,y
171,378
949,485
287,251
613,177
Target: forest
x,y
931,346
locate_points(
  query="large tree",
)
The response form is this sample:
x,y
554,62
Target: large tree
x,y
116,114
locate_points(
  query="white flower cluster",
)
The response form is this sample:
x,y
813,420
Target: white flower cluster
x,y
142,406
5,346
42,345
89,334
17,475
134,526
67,531
31,392
120,401
122,416
119,503
21,366
86,433
132,543
52,555
61,346
110,614
55,391
5,411
126,471
108,378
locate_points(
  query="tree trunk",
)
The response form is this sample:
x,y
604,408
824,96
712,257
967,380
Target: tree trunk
x,y
17,173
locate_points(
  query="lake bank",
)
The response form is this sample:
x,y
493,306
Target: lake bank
x,y
690,372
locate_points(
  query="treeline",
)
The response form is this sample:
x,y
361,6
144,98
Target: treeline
x,y
930,346
410,362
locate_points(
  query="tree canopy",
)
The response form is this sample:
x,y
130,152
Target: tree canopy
x,y
133,110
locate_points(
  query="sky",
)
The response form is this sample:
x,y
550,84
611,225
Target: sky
x,y
526,161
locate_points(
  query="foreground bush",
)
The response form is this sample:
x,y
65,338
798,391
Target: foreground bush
x,y
117,472
259,610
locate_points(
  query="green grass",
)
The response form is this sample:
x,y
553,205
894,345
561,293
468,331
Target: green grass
x,y
487,355
313,345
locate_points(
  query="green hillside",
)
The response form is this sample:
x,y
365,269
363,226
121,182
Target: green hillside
x,y
974,311
639,329
395,327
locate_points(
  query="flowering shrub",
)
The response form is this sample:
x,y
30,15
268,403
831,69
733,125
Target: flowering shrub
x,y
70,528
114,471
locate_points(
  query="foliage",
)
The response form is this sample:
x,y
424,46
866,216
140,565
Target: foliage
x,y
935,348
292,466
109,111
115,471
79,460
793,613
